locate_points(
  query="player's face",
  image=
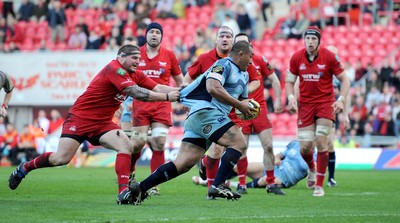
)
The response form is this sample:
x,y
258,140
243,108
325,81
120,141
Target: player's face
x,y
130,63
311,42
153,37
245,61
224,42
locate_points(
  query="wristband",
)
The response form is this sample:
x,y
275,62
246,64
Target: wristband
x,y
167,97
290,96
4,106
341,98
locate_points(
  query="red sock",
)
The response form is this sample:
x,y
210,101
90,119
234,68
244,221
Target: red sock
x,y
270,177
242,170
122,166
322,164
157,160
211,169
309,158
134,159
39,162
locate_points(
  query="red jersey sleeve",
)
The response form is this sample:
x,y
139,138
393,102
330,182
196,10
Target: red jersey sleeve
x,y
294,64
143,81
265,67
253,75
334,63
119,77
195,69
175,68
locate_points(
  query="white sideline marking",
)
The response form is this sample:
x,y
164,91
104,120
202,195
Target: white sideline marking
x,y
270,217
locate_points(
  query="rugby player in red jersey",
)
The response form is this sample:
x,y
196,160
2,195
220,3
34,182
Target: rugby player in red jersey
x,y
315,66
159,64
262,125
90,118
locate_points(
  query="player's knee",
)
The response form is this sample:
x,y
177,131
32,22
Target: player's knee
x,y
268,148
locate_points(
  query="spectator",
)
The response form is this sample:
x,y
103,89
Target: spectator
x,y
343,141
116,34
286,27
395,80
373,80
373,98
55,122
78,39
83,25
386,72
112,44
243,20
386,126
43,121
26,148
360,71
94,41
25,11
357,124
253,9
8,8
231,23
220,15
359,107
8,144
40,11
57,21
179,48
267,5
299,27
164,9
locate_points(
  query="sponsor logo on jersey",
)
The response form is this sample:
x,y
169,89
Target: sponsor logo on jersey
x,y
207,129
153,73
299,122
72,128
142,63
321,66
217,69
302,66
222,119
121,71
311,77
216,76
162,64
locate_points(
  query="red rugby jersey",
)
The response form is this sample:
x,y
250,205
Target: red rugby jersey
x,y
316,77
104,94
161,67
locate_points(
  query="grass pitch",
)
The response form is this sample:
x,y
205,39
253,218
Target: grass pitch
x,y
89,194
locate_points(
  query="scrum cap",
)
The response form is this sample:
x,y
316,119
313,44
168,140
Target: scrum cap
x,y
313,30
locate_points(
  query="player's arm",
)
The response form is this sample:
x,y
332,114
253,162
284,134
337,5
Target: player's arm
x,y
344,90
8,88
278,159
144,94
216,90
276,86
253,85
161,88
178,79
289,87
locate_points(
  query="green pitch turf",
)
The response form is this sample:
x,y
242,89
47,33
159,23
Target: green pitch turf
x,y
89,194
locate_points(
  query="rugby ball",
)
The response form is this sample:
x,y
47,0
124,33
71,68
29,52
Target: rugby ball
x,y
253,104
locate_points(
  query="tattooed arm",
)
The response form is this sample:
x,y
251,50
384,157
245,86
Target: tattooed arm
x,y
144,94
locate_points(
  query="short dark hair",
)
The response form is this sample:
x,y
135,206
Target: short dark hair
x,y
240,46
242,34
128,49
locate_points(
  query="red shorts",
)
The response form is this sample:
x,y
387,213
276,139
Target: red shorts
x,y
84,129
310,112
145,113
259,124
232,115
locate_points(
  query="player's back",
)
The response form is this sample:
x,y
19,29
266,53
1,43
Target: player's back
x,y
293,166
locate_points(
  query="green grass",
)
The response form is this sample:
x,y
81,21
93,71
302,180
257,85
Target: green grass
x,y
88,195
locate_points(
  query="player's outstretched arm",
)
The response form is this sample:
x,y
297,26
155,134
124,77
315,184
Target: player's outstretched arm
x,y
161,88
144,94
276,86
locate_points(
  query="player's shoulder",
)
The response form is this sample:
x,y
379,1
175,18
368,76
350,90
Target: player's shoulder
x,y
207,55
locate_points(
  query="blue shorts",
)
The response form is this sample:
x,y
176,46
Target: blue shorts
x,y
206,124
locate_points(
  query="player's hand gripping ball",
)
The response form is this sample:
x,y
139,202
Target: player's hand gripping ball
x,y
253,104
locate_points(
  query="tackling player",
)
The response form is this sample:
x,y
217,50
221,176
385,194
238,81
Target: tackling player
x,y
90,118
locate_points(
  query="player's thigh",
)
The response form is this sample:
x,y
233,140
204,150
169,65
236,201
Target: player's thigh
x,y
188,155
234,138
116,140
